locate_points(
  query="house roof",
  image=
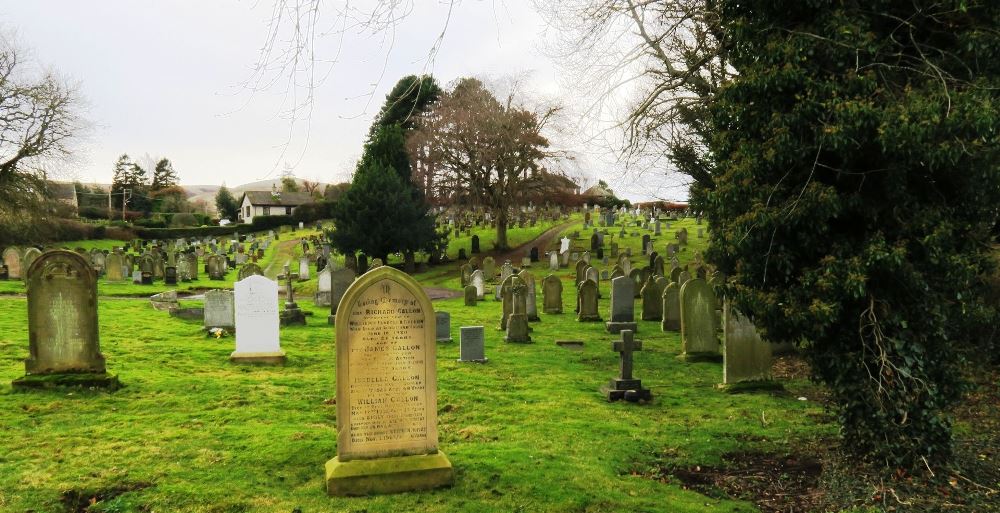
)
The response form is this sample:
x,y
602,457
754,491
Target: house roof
x,y
286,199
598,191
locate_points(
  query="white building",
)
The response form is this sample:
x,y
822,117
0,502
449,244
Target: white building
x,y
270,203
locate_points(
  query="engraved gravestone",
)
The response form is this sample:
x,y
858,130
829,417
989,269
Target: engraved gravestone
x,y
322,297
471,344
63,339
249,270
479,283
697,312
745,357
115,267
257,340
340,280
387,438
29,257
552,295
442,327
12,259
622,306
219,310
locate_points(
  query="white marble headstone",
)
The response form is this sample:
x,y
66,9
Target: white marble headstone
x,y
256,315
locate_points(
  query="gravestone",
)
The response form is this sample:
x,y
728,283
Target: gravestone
x,y
249,270
12,259
745,357
475,244
625,386
586,301
683,277
471,295
29,257
291,314
466,274
340,280
137,277
256,305
115,267
531,298
517,320
216,265
193,265
471,342
636,276
533,254
552,295
386,389
622,306
581,272
697,309
489,268
652,301
591,274
220,310
553,261
303,269
63,338
322,296
645,244
477,281
506,301
442,327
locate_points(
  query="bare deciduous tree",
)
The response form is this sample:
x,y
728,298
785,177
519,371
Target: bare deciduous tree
x,y
476,150
653,67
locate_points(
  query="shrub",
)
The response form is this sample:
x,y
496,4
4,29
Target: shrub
x,y
311,212
183,220
268,222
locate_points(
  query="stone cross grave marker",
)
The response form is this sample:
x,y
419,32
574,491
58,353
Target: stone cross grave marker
x,y
291,314
387,439
625,386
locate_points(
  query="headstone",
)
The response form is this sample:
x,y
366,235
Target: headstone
x,y
586,300
471,344
552,295
12,259
531,299
115,267
745,357
489,268
249,270
220,310
652,301
645,244
29,257
553,261
517,320
340,280
622,306
471,295
442,327
322,297
303,269
697,309
625,386
564,245
475,244
533,254
386,389
216,267
291,314
581,271
63,338
479,282
256,306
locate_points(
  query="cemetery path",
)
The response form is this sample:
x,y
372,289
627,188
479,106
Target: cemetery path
x,y
543,241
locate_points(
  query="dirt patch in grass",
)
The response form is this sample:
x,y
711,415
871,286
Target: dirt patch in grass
x,y
773,482
80,501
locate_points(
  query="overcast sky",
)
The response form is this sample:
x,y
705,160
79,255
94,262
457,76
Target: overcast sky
x,y
167,78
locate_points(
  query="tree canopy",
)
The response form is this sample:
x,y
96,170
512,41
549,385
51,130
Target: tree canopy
x,y
855,186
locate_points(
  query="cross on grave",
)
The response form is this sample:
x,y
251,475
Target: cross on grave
x,y
625,386
292,314
289,292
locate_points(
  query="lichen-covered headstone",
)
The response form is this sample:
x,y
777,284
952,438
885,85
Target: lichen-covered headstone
x,y
745,357
586,299
552,295
517,319
470,295
340,280
697,309
220,311
12,259
63,339
652,301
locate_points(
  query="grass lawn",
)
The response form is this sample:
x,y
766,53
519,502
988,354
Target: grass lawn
x,y
527,431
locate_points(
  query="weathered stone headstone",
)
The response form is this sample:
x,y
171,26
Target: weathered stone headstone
x,y
697,309
323,283
533,254
257,334
586,300
471,296
442,326
652,301
303,269
745,357
386,389
220,310
489,268
552,295
581,271
475,244
479,282
517,319
115,267
12,259
340,280
553,261
248,270
29,257
625,386
531,298
472,344
216,267
622,306
63,338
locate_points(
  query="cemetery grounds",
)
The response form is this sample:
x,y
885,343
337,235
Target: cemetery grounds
x,y
527,431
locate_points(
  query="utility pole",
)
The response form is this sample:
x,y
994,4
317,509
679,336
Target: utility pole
x,y
111,211
126,195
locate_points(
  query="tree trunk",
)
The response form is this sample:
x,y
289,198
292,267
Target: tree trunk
x,y
501,242
409,265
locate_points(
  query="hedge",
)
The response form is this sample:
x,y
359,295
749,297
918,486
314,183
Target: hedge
x,y
177,233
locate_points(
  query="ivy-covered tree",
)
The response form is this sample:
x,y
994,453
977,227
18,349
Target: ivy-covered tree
x,y
856,184
164,176
226,204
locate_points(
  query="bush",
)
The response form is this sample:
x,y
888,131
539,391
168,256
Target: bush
x,y
183,220
311,212
176,233
94,212
261,223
